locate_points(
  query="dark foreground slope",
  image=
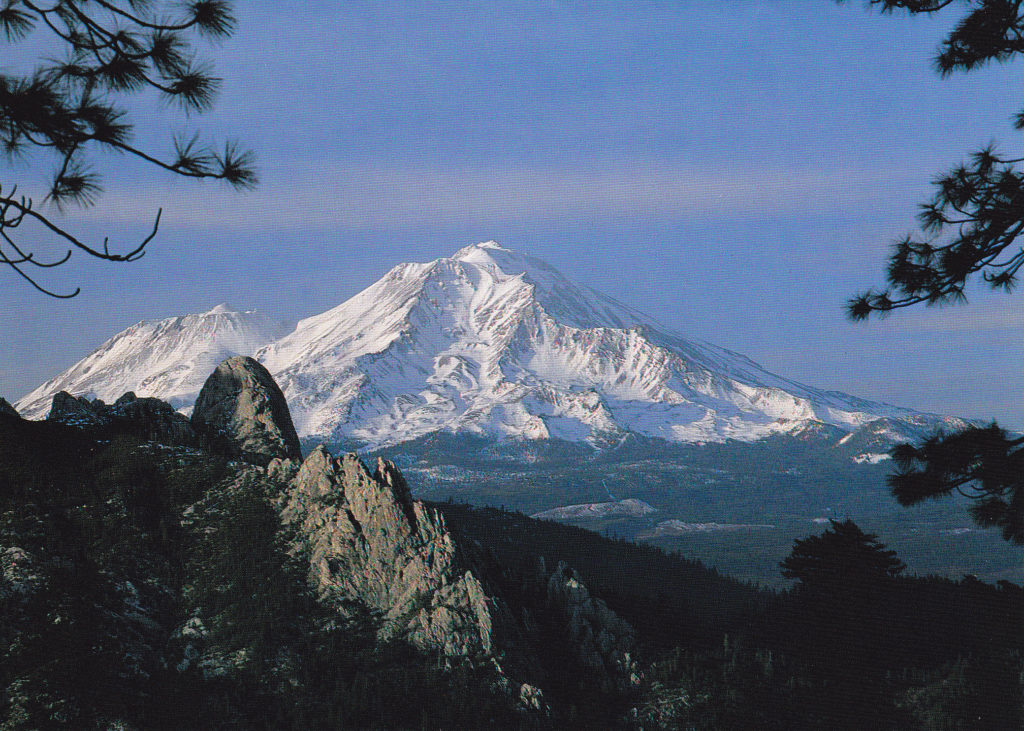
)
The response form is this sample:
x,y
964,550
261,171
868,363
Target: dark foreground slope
x,y
670,600
147,585
139,591
900,653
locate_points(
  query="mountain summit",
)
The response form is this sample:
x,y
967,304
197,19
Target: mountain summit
x,y
488,341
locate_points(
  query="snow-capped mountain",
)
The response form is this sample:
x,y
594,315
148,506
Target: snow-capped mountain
x,y
490,341
487,341
169,359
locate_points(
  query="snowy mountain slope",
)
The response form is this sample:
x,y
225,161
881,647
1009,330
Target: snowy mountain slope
x,y
493,342
489,342
169,359
872,441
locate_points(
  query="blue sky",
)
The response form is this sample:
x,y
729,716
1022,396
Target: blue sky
x,y
737,169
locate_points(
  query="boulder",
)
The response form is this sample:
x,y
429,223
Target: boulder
x,y
532,698
242,405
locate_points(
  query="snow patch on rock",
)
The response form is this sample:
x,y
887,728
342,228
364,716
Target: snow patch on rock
x,y
630,507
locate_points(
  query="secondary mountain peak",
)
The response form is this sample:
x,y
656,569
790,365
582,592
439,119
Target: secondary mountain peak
x,y
475,249
222,309
168,359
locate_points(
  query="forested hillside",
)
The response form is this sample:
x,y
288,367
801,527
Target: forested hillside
x,y
156,586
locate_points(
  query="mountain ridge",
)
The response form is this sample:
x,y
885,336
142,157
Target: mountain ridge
x,y
497,343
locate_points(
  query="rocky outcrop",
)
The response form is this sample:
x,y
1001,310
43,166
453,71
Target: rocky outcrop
x,y
149,418
532,698
77,411
370,547
603,641
241,404
153,419
7,410
20,575
369,542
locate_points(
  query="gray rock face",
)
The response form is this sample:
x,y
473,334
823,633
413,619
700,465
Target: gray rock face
x,y
603,641
7,410
241,402
368,541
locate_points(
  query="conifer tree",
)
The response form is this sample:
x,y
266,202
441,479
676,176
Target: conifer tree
x,y
842,556
970,230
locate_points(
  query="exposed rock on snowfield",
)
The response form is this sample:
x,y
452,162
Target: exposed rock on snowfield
x,y
241,402
873,441
368,541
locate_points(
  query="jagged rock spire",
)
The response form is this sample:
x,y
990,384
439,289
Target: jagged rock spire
x,y
8,410
368,541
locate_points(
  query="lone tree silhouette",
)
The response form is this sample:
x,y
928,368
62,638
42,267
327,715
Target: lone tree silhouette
x,y
970,229
68,108
842,557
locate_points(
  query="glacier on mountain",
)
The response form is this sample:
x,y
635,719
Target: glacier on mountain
x,y
488,341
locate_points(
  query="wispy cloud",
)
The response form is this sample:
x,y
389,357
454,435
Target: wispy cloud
x,y
372,196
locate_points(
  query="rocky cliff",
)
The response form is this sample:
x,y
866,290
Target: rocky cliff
x,y
603,642
150,418
370,545
366,547
369,542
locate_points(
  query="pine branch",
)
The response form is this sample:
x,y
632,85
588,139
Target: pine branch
x,y
115,49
